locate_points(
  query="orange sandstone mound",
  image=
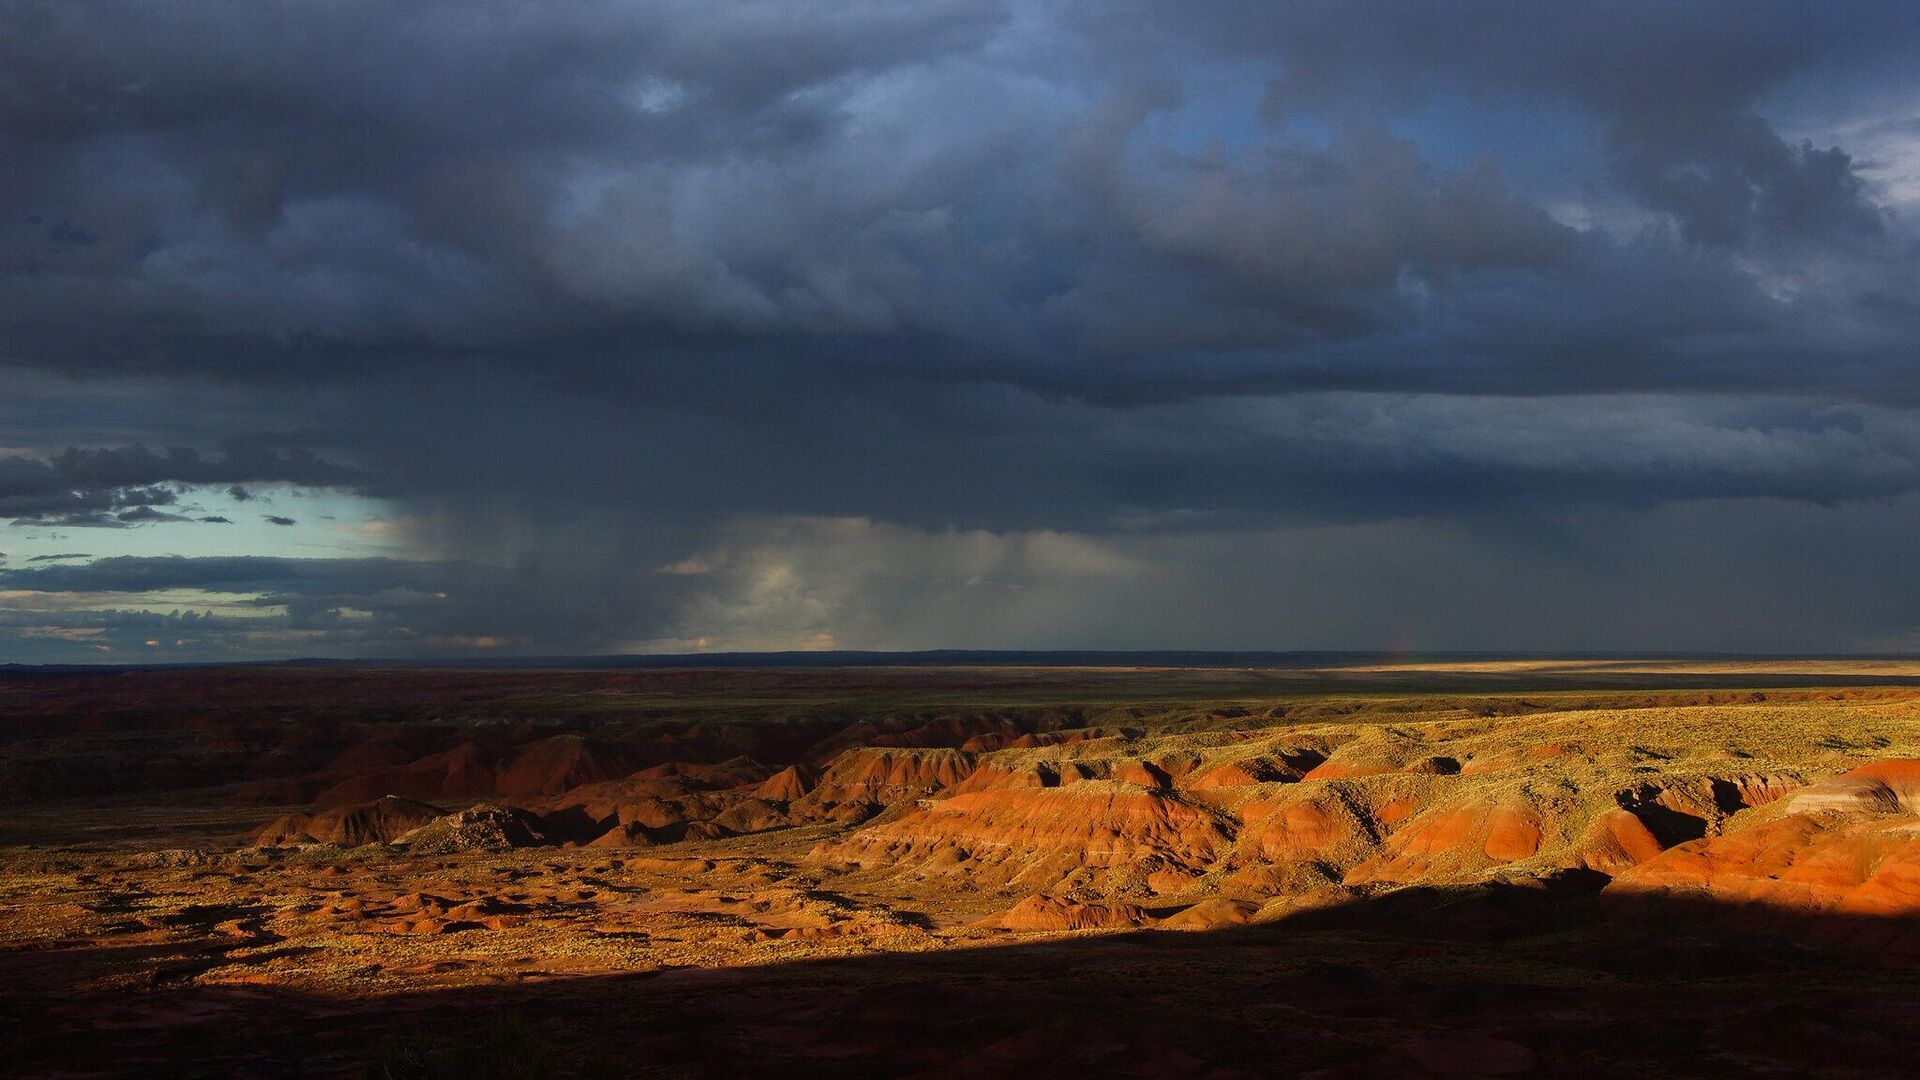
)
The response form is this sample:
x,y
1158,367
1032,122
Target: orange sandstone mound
x,y
1848,845
1043,913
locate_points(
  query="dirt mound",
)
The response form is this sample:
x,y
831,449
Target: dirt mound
x,y
553,766
478,828
378,821
1211,914
1455,841
1371,751
752,816
624,836
1046,913
1882,787
788,784
1616,841
1312,823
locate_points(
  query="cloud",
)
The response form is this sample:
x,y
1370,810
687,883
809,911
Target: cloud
x,y
962,187
112,486
257,606
129,573
1704,575
142,515
276,519
588,291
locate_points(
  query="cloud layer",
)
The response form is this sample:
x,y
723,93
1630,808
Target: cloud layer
x,y
903,295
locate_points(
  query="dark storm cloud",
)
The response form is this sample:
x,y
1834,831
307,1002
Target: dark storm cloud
x,y
141,515
233,574
1673,87
367,606
123,485
579,287
286,191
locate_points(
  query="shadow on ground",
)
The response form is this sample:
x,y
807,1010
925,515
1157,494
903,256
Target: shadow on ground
x,y
1512,980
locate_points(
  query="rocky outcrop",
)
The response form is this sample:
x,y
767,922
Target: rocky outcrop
x,y
1100,830
477,828
874,778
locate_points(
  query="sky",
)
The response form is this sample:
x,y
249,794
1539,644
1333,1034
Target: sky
x,y
514,328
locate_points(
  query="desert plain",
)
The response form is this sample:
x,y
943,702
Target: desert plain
x,y
1352,869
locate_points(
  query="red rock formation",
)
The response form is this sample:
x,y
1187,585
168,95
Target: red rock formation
x,y
606,799
376,822
552,766
1454,841
787,785
1304,825
991,774
1047,913
1043,835
733,772
1617,841
1261,769
1144,774
1882,787
879,777
1212,913
462,772
1800,862
751,816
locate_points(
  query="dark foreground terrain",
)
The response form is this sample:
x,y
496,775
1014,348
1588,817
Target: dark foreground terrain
x,y
1456,869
